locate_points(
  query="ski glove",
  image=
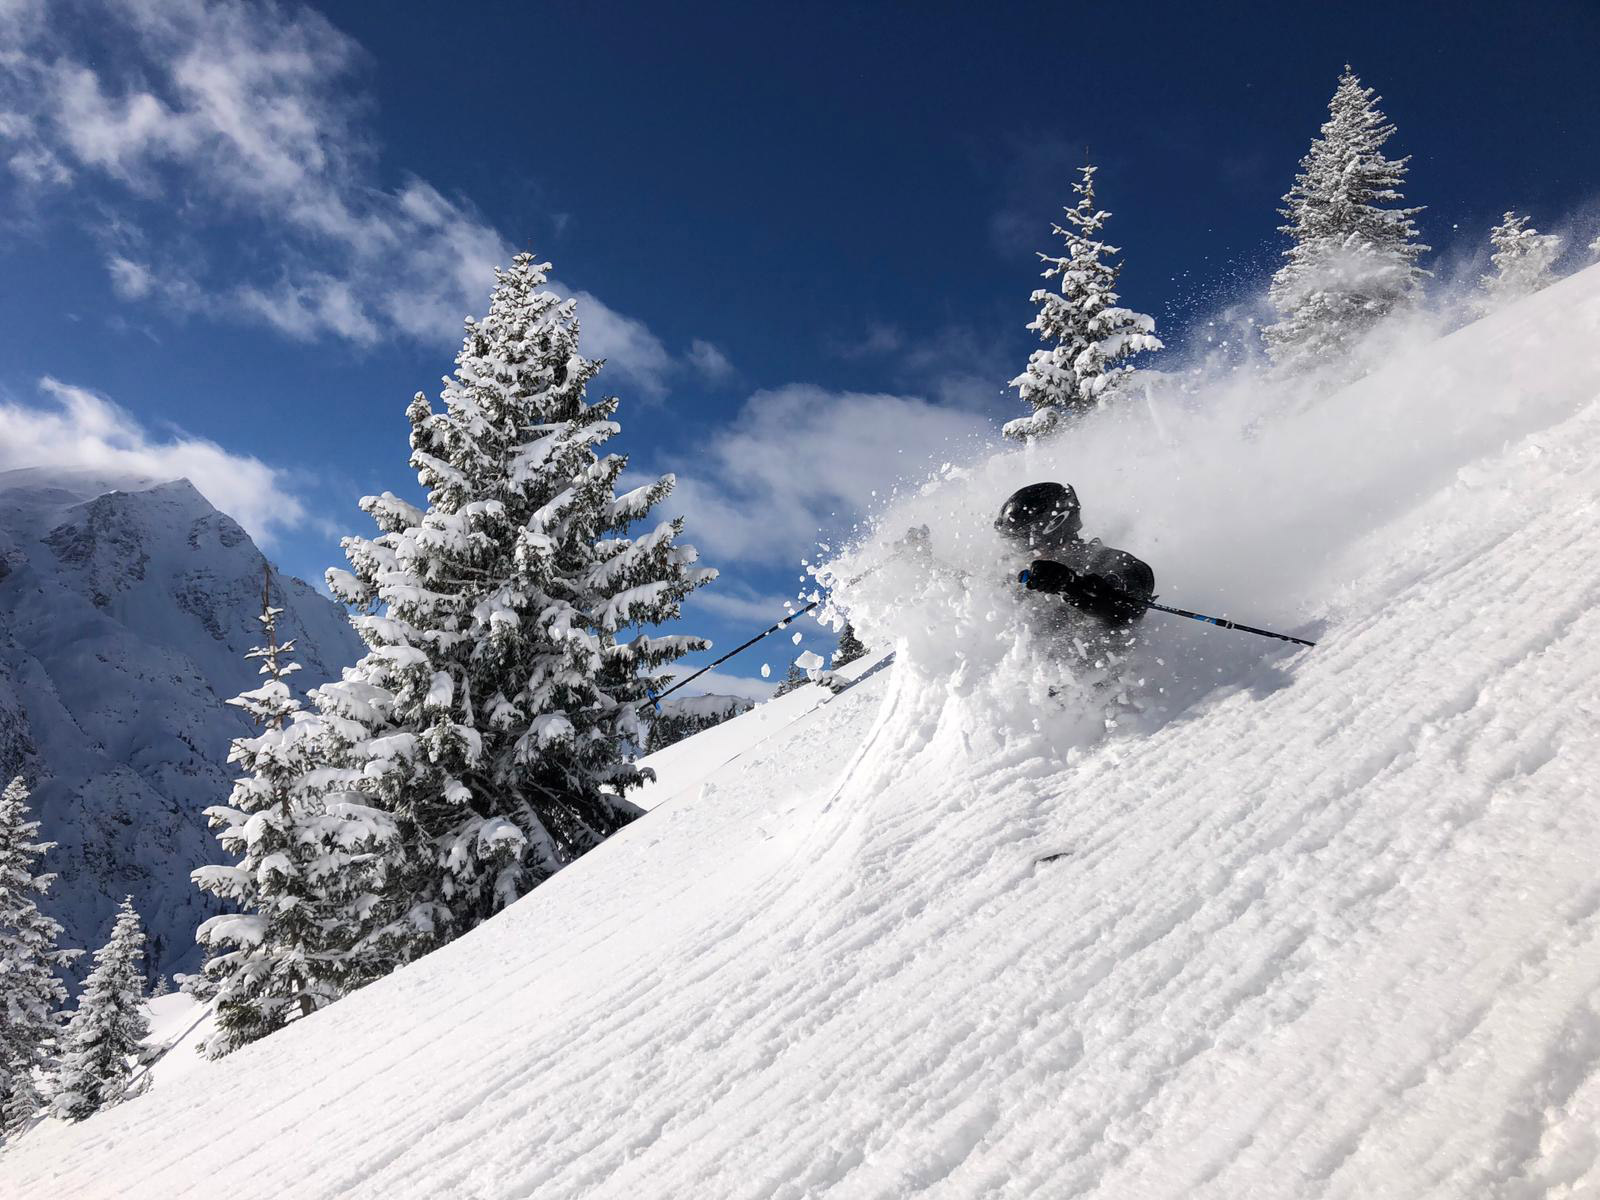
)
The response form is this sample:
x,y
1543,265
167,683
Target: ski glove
x,y
1092,593
1043,575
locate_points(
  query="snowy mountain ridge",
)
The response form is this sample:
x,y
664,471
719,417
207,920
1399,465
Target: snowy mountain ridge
x,y
126,606
1318,922
708,704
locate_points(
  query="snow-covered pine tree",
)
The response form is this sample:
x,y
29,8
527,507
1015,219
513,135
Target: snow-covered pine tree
x,y
1594,247
102,1041
1522,260
497,706
302,876
31,994
795,677
1354,255
1089,338
849,649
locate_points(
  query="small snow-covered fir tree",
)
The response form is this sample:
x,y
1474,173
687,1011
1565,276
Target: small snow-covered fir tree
x,y
1089,338
102,1042
849,649
1522,260
1594,247
497,706
1354,255
795,677
31,994
302,875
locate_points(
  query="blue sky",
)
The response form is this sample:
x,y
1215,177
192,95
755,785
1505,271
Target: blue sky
x,y
235,239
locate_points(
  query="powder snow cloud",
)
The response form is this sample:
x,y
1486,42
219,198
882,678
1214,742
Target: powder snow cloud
x,y
247,120
79,430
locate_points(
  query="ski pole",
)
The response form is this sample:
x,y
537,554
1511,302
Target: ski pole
x,y
783,624
1220,622
656,700
1226,624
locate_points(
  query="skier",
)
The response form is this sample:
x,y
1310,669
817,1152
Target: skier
x,y
1094,578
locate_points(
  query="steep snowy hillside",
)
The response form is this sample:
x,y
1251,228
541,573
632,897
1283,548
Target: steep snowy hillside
x,y
1314,923
125,613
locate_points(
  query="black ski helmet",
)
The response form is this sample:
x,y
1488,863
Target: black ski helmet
x,y
1040,511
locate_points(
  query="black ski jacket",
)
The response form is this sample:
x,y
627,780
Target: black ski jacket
x,y
1094,578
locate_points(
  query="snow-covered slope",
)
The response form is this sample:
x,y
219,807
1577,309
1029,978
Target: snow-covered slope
x,y
1328,928
126,607
684,766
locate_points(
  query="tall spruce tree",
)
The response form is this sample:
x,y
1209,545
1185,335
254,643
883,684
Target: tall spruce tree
x,y
31,994
1089,337
495,711
1354,255
1522,260
302,879
103,1040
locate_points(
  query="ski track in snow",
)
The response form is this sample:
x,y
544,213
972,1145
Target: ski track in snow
x,y
1336,934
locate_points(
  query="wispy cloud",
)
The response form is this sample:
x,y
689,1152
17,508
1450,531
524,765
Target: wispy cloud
x,y
710,361
249,119
75,429
731,599
956,365
626,344
1036,179
880,338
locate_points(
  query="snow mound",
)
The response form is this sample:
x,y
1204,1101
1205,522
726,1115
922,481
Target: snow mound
x,y
1327,925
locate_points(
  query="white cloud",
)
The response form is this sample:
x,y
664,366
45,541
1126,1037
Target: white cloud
x,y
879,339
80,430
129,279
627,345
307,307
248,114
710,361
800,457
727,598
